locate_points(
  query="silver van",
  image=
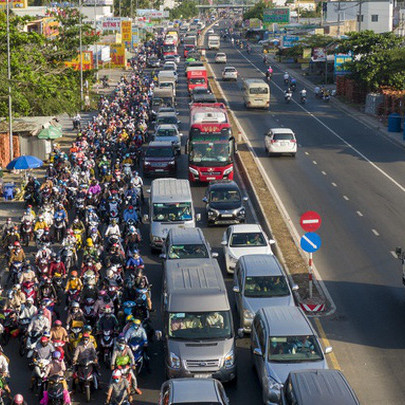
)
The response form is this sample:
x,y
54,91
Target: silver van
x,y
186,243
283,340
198,328
170,206
259,281
191,391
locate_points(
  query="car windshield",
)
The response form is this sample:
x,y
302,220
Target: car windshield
x,y
247,239
166,132
220,55
200,325
166,120
172,212
192,251
266,286
223,196
200,90
283,137
197,81
228,70
294,349
159,152
259,90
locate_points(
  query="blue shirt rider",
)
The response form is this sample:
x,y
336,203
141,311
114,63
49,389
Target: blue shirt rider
x,y
130,213
135,261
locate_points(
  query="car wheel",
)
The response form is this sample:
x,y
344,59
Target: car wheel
x,y
293,155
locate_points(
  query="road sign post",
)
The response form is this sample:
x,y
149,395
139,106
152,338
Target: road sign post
x,y
310,221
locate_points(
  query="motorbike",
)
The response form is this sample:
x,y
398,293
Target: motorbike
x,y
28,288
293,86
326,96
39,385
59,228
287,97
106,345
57,281
113,210
10,325
88,310
26,232
78,235
23,325
74,335
76,124
127,172
32,340
303,99
86,377
138,346
43,266
68,257
14,272
5,397
55,390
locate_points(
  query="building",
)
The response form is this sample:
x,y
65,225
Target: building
x,y
375,15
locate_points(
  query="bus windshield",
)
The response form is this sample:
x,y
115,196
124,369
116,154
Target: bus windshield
x,y
217,153
169,48
172,212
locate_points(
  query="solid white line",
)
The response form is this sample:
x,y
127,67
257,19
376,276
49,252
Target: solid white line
x,y
334,184
375,232
346,197
394,254
359,213
402,188
323,172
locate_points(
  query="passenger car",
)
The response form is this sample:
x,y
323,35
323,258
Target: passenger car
x,y
259,281
191,391
220,57
167,118
168,133
153,62
229,73
280,141
246,239
170,64
159,159
308,387
224,203
175,58
283,340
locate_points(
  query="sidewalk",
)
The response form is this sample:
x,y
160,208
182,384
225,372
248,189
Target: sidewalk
x,y
370,121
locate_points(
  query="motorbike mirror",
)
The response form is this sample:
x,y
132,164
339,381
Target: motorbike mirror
x,y
245,199
295,287
158,335
146,218
205,199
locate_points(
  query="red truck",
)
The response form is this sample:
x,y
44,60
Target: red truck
x,y
196,78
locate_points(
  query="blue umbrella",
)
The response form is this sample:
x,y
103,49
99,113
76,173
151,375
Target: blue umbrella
x,y
24,163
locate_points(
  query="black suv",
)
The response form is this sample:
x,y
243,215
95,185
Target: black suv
x,y
224,203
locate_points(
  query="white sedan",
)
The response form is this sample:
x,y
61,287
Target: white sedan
x,y
279,141
244,239
220,57
229,73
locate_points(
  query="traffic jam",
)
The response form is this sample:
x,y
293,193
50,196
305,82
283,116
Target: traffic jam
x,y
78,296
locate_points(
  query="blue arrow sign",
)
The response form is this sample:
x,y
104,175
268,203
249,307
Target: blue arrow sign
x,y
310,242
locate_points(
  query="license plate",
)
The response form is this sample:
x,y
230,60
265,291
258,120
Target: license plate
x,y
258,100
202,375
210,178
158,170
226,215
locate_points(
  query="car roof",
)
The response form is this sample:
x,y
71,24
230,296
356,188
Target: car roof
x,y
286,321
166,126
157,144
228,184
166,114
261,265
242,228
229,67
186,236
282,130
189,389
322,386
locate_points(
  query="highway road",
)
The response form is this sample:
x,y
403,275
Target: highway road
x,y
354,177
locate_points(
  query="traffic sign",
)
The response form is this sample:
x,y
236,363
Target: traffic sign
x,y
310,242
310,221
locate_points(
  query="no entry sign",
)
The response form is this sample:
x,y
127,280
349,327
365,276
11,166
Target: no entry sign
x,y
310,221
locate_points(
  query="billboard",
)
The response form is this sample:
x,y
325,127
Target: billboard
x,y
151,13
87,60
135,37
14,4
126,31
118,55
276,15
112,23
319,54
288,41
340,61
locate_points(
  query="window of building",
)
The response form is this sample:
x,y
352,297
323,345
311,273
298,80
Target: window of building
x,y
374,17
360,19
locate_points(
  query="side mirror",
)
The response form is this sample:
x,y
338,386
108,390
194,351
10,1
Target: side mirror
x,y
236,289
205,200
241,333
214,255
328,350
398,252
162,256
146,218
198,217
178,122
257,352
245,199
295,287
224,242
158,335
272,241
148,190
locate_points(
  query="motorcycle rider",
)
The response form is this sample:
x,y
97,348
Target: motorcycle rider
x,y
15,298
57,367
102,303
78,225
28,274
113,229
58,332
7,227
287,94
132,240
57,266
17,254
18,400
119,391
303,94
74,283
75,313
39,323
90,250
40,223
135,261
130,214
286,77
107,320
123,356
43,351
4,371
28,310
136,331
142,284
137,182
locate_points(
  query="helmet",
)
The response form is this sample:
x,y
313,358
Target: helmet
x,y
44,339
17,244
89,242
18,399
129,318
87,328
109,273
74,274
56,354
137,322
86,335
116,374
121,339
30,299
17,286
102,293
107,310
58,322
75,305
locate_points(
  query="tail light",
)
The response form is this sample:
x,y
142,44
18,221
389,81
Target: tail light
x,y
293,140
273,141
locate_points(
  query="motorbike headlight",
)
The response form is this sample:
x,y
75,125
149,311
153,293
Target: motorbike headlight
x,y
229,359
174,361
193,171
228,170
247,314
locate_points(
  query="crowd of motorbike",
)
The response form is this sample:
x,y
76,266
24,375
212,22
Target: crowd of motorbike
x,y
83,298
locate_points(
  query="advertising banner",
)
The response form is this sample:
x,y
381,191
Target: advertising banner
x,y
111,24
126,31
118,55
276,15
340,60
319,54
288,41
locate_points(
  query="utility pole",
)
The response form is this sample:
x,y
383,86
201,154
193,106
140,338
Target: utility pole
x,y
338,18
81,54
95,32
360,16
10,102
119,8
132,10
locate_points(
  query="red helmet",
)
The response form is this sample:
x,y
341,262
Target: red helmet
x,y
58,322
17,244
18,399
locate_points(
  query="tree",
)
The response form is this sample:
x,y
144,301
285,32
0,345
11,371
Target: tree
x,y
257,10
187,9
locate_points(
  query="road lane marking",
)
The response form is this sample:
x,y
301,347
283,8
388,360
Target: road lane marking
x,y
391,179
359,213
331,356
394,254
306,153
314,162
334,184
323,172
346,197
375,232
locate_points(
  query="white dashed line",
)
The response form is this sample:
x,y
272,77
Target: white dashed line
x,y
394,255
346,197
307,153
323,172
314,162
375,232
334,184
359,213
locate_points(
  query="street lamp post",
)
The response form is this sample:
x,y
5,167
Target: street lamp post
x,y
10,102
95,32
81,54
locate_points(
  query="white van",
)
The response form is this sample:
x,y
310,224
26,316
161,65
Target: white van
x,y
256,93
170,206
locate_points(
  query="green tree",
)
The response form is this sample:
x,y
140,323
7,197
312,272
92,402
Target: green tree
x,y
187,9
257,10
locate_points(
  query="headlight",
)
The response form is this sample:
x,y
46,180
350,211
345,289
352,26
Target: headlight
x,y
193,171
229,359
242,212
248,314
157,239
174,361
273,385
146,163
228,170
212,213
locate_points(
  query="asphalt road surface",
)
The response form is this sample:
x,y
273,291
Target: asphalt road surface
x,y
354,177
